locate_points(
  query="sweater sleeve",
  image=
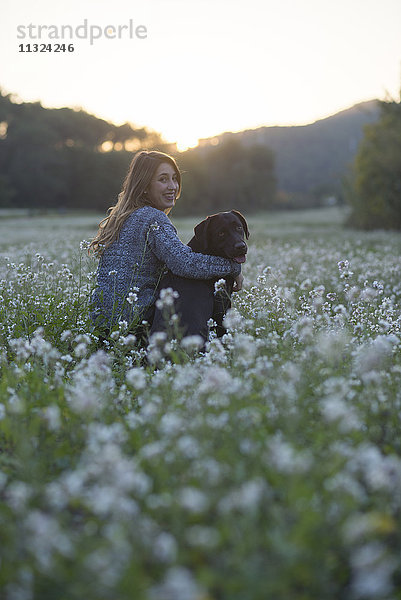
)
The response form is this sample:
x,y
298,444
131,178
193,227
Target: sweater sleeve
x,y
181,260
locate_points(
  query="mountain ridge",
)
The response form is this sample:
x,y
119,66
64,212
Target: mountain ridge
x,y
312,159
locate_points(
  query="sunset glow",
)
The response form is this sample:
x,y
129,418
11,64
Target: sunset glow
x,y
202,70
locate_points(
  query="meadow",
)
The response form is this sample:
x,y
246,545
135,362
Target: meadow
x,y
268,467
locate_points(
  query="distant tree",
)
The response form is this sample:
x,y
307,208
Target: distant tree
x,y
93,179
228,175
32,164
374,188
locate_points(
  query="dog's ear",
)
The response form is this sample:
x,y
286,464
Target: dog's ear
x,y
243,221
201,231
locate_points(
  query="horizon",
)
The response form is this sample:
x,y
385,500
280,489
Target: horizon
x,y
18,100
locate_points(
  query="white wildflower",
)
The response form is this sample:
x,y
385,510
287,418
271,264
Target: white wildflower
x,y
374,354
368,294
80,350
245,498
344,268
156,344
65,335
165,547
285,458
244,348
92,382
303,329
18,495
220,285
52,416
340,310
372,570
170,424
233,320
384,325
82,338
336,409
122,326
377,285
193,500
136,377
129,340
21,347
192,343
44,538
353,293
166,298
215,379
331,345
188,446
132,298
178,584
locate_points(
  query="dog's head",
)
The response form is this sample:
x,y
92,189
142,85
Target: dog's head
x,y
223,235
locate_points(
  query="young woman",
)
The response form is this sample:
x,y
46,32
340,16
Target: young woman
x,y
137,242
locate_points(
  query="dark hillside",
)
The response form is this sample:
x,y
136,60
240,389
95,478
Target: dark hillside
x,y
312,159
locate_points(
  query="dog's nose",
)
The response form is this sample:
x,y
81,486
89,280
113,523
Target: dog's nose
x,y
240,246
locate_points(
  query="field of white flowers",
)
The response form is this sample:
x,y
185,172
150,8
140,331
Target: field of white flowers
x,y
267,468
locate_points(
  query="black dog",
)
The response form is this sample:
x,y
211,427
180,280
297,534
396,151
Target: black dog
x,y
223,235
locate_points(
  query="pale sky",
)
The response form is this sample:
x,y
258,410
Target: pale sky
x,y
207,66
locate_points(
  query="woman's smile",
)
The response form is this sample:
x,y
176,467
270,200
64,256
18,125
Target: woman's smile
x,y
163,188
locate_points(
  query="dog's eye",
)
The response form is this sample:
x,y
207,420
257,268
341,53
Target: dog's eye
x,y
221,234
239,228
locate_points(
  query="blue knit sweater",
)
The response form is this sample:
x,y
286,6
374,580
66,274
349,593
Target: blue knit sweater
x,y
147,246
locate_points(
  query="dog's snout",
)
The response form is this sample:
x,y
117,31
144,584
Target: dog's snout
x,y
240,246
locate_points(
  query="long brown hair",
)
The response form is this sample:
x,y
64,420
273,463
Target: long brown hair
x,y
132,196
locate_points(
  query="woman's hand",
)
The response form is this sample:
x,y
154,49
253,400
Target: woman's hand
x,y
238,281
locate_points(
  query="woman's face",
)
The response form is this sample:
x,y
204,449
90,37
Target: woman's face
x,y
164,187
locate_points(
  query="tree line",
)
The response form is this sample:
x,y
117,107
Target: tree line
x,y
68,159
57,158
